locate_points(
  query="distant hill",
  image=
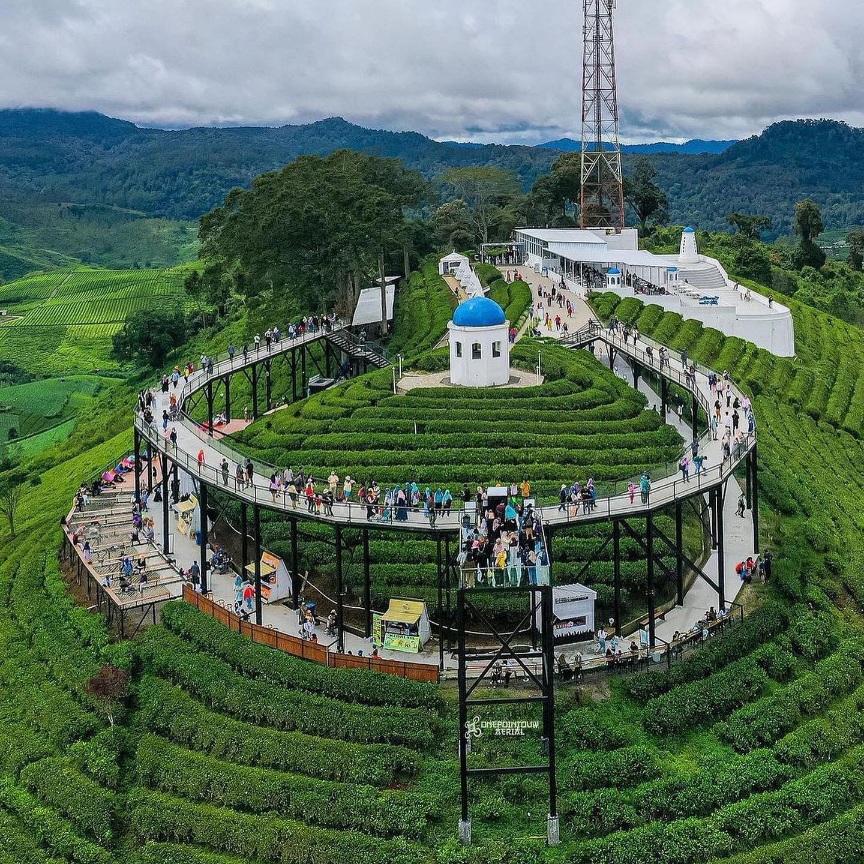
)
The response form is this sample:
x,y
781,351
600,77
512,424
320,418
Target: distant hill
x,y
694,146
140,184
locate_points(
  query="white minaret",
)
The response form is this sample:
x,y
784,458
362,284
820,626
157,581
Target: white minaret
x,y
689,253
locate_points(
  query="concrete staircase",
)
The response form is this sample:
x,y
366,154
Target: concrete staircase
x,y
702,277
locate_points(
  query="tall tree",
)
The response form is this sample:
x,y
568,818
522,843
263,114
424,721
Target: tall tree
x,y
749,226
314,230
484,190
645,197
808,226
149,336
855,239
11,490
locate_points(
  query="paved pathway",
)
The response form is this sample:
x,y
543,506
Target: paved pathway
x,y
201,455
738,535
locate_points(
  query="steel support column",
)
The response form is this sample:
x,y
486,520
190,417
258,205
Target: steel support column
x,y
549,702
340,611
679,561
616,574
209,394
244,538
367,586
440,611
721,562
254,370
465,822
268,384
303,379
165,472
295,566
226,381
202,507
695,409
664,396
137,440
649,543
149,467
754,507
293,375
256,521
712,505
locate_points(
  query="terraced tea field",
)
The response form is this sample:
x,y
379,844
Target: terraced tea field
x,y
64,320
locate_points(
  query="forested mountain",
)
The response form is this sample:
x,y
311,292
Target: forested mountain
x,y
133,175
695,146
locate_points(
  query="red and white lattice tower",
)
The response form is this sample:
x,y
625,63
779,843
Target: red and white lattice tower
x,y
602,202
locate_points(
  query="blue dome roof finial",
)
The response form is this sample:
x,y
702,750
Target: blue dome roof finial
x,y
478,312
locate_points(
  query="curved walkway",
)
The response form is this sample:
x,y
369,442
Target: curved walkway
x,y
665,490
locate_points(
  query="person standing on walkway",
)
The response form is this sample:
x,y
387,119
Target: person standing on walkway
x,y
240,476
173,438
200,458
685,469
257,341
225,471
632,490
250,472
645,487
742,505
231,351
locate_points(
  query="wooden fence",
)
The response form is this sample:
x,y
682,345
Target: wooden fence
x,y
304,648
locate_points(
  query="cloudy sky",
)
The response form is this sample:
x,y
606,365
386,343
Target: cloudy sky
x,y
496,70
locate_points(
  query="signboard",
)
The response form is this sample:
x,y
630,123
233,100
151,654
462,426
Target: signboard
x,y
397,642
377,629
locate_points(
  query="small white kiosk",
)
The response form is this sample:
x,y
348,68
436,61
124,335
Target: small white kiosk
x,y
479,344
572,611
450,264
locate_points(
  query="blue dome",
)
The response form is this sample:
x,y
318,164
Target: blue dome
x,y
478,312
689,230
614,272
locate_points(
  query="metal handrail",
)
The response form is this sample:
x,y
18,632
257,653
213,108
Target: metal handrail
x,y
664,491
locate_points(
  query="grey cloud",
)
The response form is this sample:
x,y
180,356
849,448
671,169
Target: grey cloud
x,y
498,70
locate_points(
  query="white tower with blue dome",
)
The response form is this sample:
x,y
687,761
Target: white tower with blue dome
x,y
479,344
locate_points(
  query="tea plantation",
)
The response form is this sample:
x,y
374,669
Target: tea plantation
x,y
751,751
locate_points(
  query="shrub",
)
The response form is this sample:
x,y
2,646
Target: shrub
x,y
161,817
705,700
259,661
171,712
177,771
769,718
87,805
220,687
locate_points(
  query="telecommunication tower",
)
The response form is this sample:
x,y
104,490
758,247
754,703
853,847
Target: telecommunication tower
x,y
602,179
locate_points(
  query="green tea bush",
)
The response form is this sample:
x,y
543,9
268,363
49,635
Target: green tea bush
x,y
175,770
155,816
259,661
169,711
50,829
704,700
87,805
769,718
757,628
215,682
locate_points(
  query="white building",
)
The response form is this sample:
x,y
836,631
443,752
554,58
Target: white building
x,y
479,344
693,285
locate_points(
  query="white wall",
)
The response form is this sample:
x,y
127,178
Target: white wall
x,y
488,371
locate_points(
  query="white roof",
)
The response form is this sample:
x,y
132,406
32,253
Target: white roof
x,y
368,309
453,257
629,258
563,235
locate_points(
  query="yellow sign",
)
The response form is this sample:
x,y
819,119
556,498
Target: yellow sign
x,y
377,629
396,642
